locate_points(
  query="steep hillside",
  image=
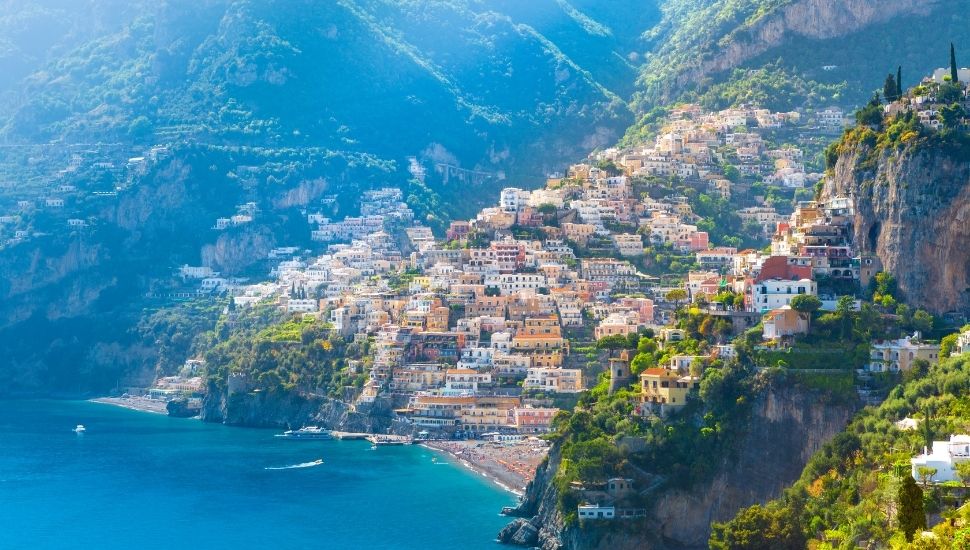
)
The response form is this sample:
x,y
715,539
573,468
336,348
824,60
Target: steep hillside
x,y
849,493
497,87
276,103
911,188
785,426
822,51
72,298
34,33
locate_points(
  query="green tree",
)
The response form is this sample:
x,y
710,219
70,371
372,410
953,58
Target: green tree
x,y
950,115
963,472
954,75
925,475
871,114
806,304
140,127
909,503
889,88
922,321
899,81
614,342
947,344
676,296
759,528
843,311
697,367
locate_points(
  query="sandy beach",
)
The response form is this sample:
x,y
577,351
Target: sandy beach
x,y
510,465
143,404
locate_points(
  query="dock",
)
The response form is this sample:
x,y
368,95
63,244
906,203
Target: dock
x,y
350,436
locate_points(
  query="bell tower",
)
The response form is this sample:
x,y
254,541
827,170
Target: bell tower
x,y
620,375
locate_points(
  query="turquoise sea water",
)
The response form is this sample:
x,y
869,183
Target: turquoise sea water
x,y
140,480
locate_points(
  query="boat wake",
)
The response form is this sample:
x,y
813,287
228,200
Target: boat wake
x,y
295,466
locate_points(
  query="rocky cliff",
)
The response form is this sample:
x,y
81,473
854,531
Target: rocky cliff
x,y
787,426
291,409
912,209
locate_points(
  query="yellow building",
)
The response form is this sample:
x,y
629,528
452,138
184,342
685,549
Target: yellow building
x,y
540,333
659,386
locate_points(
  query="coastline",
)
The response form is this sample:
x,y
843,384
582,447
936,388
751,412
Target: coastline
x,y
505,480
142,404
487,460
511,467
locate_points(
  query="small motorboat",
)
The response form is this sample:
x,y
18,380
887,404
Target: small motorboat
x,y
79,429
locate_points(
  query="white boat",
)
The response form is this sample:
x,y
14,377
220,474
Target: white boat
x,y
79,429
307,432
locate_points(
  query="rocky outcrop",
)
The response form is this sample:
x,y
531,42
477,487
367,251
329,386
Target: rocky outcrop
x,y
521,532
234,251
292,409
48,264
181,408
912,210
787,426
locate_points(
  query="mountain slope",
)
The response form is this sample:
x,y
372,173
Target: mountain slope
x,y
491,83
830,51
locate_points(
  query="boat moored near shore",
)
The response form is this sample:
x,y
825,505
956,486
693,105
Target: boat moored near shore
x,y
307,432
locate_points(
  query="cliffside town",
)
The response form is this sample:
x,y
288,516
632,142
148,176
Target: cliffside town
x,y
711,282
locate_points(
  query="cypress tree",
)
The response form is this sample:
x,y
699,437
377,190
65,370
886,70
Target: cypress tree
x,y
899,81
954,76
909,502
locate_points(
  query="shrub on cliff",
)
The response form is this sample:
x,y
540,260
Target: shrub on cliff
x,y
759,528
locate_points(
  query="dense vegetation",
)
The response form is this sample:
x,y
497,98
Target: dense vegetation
x,y
851,493
693,32
277,354
605,436
489,81
877,134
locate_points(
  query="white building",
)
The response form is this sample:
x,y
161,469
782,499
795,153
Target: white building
x,y
775,293
628,244
196,272
308,305
899,355
512,199
464,381
831,117
510,283
595,511
554,380
944,455
963,343
716,258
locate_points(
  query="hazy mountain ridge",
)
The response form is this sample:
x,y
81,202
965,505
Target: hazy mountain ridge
x,y
487,86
